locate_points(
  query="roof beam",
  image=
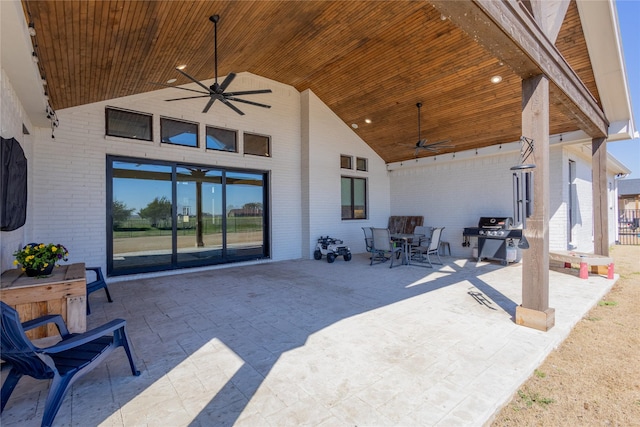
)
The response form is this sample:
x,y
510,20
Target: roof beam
x,y
508,31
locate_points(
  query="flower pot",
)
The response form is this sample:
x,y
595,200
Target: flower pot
x,y
46,271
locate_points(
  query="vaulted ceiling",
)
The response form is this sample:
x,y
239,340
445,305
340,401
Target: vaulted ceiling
x,y
364,59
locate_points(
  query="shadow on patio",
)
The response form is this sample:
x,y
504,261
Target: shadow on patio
x,y
311,343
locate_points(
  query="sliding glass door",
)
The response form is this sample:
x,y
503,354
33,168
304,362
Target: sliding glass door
x,y
141,219
199,235
245,216
164,215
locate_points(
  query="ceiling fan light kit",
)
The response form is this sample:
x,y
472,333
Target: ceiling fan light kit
x,y
217,92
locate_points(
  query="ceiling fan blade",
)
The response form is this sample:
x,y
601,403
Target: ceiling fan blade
x,y
247,102
435,146
233,107
193,80
209,104
247,92
188,97
177,87
442,141
226,82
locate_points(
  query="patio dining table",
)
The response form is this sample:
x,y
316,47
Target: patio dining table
x,y
406,240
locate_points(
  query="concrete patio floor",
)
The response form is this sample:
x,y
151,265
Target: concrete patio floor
x,y
310,343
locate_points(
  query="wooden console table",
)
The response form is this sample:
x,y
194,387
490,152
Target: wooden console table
x,y
64,292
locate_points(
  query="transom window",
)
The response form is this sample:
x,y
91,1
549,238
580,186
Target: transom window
x,y
128,124
179,132
257,145
346,161
222,139
361,164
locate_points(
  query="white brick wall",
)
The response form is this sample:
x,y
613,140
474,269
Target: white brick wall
x,y
12,117
328,137
455,193
69,172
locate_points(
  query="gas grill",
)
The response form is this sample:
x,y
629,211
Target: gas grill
x,y
494,235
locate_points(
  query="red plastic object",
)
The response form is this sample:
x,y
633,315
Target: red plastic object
x,y
583,270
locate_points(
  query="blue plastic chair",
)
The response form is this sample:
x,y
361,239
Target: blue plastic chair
x,y
64,363
97,284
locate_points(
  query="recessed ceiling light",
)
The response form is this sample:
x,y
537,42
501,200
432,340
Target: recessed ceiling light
x,y
171,80
181,67
496,79
368,121
354,125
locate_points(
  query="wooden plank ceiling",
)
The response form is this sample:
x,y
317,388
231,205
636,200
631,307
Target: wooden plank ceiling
x,y
365,59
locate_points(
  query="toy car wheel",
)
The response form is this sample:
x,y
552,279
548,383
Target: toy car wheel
x,y
331,258
347,257
317,255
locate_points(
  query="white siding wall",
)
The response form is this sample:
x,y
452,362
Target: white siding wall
x,y
69,172
12,117
612,203
583,235
558,199
455,193
328,137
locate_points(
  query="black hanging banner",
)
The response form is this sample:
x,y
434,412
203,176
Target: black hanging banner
x,y
13,185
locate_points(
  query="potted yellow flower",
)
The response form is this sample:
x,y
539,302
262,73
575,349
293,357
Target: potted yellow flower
x,y
38,259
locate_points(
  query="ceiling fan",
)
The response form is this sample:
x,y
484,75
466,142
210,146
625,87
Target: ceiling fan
x,y
216,92
424,144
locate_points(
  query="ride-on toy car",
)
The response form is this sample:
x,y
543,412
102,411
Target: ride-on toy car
x,y
332,248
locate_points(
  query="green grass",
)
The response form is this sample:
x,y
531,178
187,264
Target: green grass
x,y
539,374
607,303
530,398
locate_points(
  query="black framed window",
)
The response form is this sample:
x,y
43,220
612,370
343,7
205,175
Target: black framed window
x,y
179,132
346,162
361,164
257,145
354,197
128,124
222,139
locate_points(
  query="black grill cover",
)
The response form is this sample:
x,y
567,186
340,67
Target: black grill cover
x,y
13,185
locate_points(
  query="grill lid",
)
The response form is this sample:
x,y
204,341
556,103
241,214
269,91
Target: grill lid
x,y
495,223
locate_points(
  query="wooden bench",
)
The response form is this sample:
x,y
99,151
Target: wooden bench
x,y
404,224
596,262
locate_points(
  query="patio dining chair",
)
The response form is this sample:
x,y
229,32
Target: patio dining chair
x,y
368,239
423,241
421,253
383,247
63,363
